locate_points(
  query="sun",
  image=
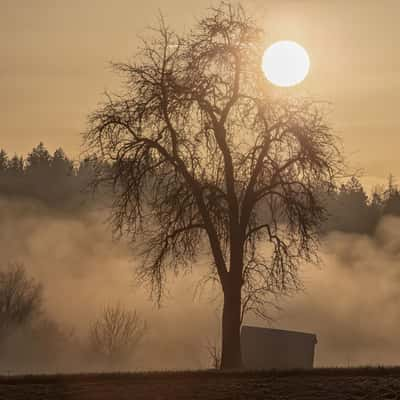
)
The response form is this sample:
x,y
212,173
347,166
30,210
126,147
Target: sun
x,y
285,63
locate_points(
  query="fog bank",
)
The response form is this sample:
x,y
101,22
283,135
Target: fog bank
x,y
351,300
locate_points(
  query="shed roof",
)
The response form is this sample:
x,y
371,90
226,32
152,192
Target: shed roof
x,y
260,331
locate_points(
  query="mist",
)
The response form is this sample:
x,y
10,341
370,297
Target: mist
x,y
350,300
82,270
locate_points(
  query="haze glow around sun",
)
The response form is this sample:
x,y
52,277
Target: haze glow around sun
x,y
285,63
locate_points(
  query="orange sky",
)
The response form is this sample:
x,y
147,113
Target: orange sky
x,y
55,54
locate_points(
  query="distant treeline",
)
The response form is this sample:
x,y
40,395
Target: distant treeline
x,y
57,181
53,179
350,209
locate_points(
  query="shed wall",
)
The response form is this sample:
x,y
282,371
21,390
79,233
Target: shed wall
x,y
264,348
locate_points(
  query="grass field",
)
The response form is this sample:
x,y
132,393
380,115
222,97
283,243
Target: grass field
x,y
327,384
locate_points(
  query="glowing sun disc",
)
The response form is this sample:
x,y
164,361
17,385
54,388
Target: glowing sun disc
x,y
285,63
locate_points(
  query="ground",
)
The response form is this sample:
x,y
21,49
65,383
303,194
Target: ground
x,y
327,384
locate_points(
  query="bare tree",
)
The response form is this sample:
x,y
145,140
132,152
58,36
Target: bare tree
x,y
201,155
20,296
214,354
116,333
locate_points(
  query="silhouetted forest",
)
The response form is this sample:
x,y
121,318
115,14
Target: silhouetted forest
x,y
351,210
53,179
61,184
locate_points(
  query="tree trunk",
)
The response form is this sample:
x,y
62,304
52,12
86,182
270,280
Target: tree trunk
x,y
231,357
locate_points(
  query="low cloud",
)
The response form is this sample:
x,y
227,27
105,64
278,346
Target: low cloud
x,y
351,300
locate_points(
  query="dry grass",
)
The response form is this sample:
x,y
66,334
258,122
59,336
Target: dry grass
x,y
327,384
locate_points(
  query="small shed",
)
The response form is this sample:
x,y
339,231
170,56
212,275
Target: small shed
x,y
265,348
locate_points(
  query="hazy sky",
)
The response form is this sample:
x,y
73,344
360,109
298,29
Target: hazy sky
x,y
55,54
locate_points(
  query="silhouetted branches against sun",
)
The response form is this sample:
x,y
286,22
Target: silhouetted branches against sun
x,y
199,151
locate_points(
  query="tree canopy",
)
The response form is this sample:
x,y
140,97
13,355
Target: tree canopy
x,y
203,156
